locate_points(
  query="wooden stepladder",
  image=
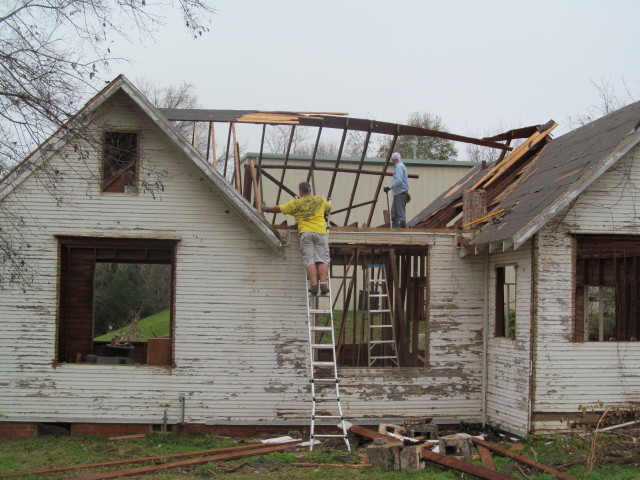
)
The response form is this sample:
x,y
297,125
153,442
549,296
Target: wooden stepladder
x,y
382,339
325,384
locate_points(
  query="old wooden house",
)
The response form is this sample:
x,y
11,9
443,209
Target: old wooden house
x,y
514,292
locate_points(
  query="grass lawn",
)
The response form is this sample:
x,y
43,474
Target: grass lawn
x,y
617,457
149,327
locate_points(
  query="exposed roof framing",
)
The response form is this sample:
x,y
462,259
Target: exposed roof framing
x,y
537,180
494,179
309,119
319,120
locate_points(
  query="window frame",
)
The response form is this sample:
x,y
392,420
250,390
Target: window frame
x,y
78,257
502,326
116,184
607,260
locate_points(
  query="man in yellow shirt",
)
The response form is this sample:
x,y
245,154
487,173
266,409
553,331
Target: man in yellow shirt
x,y
309,210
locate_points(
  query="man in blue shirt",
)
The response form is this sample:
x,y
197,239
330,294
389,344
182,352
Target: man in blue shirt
x,y
400,188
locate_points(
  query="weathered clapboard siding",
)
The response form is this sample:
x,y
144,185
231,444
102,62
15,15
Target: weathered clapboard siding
x,y
509,360
570,374
240,336
450,388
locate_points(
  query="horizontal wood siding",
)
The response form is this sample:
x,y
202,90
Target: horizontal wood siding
x,y
570,374
450,388
509,359
240,338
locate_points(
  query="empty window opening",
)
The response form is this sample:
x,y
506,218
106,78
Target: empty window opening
x,y
131,302
380,302
116,301
607,288
119,165
506,301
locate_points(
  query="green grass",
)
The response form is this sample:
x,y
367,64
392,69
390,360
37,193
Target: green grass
x,y
156,325
50,452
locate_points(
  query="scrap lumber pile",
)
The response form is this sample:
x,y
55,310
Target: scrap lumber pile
x,y
391,451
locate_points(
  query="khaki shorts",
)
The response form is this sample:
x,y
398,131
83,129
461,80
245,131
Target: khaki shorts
x,y
315,248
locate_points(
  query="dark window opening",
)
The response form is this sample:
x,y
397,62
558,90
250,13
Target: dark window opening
x,y
116,301
607,288
119,165
506,301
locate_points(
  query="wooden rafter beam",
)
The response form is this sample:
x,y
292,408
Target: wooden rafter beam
x,y
317,119
334,169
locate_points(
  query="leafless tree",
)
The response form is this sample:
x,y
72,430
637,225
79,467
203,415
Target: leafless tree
x,y
278,137
609,101
53,55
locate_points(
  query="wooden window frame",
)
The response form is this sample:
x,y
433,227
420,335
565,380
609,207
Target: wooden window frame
x,y
502,326
78,257
115,178
608,260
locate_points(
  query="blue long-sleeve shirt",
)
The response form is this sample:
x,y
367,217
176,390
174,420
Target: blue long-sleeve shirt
x,y
400,182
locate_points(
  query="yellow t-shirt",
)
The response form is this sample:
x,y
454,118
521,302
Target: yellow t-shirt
x,y
308,212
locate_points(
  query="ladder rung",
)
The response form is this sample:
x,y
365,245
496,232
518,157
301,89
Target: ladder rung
x,y
376,342
326,435
377,280
315,311
380,326
384,358
378,295
321,329
322,346
326,380
326,399
324,364
380,311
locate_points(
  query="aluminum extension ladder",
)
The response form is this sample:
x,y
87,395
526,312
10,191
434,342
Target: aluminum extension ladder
x,y
382,337
325,384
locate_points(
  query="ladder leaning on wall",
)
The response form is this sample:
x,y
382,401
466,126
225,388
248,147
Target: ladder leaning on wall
x,y
326,410
382,339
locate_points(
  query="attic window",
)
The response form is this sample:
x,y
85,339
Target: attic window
x,y
119,162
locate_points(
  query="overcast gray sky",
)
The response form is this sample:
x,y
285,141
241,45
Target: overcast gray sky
x,y
482,66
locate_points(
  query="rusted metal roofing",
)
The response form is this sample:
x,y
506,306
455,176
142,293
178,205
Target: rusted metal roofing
x,y
544,183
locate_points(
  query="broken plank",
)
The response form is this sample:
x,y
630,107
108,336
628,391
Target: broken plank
x,y
485,456
462,466
527,461
370,434
128,437
337,465
183,463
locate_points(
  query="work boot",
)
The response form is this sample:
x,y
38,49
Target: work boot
x,y
324,288
313,290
